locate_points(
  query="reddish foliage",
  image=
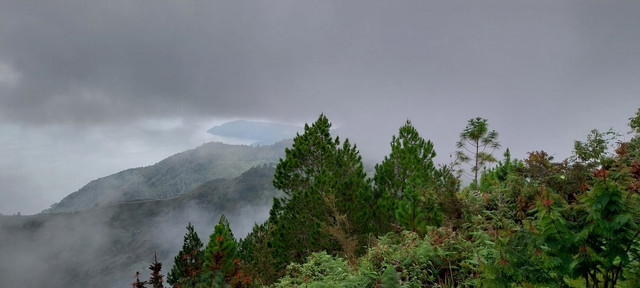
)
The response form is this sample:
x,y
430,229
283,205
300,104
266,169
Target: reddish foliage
x,y
622,149
584,187
582,249
635,169
601,173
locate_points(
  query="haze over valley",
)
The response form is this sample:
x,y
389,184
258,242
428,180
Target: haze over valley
x,y
123,121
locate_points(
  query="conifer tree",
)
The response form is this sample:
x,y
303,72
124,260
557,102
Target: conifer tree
x,y
138,283
156,278
256,252
479,142
221,253
409,165
315,167
188,263
312,154
411,213
411,156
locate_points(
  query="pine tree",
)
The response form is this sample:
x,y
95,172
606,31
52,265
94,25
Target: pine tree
x,y
138,283
418,209
221,253
476,139
188,263
410,163
156,278
312,154
411,156
316,167
257,254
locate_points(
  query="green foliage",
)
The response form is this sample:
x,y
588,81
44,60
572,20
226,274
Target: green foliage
x,y
418,208
172,176
310,156
395,260
315,169
188,263
584,230
475,139
539,223
411,157
221,253
222,267
390,278
634,122
256,252
319,270
156,278
405,184
594,149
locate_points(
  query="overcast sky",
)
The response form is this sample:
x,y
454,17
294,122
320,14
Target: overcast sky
x,y
88,88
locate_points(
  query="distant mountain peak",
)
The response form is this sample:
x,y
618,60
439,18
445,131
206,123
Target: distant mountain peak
x,y
172,176
254,132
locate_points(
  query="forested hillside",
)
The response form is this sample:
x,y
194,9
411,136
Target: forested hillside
x,y
533,222
99,247
172,176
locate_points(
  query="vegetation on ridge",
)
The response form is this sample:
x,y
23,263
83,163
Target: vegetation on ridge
x,y
172,176
533,222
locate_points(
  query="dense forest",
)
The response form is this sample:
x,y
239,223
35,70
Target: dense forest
x,y
533,222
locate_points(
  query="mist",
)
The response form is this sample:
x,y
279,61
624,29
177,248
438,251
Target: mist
x,y
89,89
105,247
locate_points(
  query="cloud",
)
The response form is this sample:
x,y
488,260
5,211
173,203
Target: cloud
x,y
9,77
99,62
544,73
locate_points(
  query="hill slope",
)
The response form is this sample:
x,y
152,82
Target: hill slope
x,y
172,176
105,246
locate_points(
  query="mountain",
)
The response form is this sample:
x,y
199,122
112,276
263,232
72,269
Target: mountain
x,y
256,133
106,245
171,176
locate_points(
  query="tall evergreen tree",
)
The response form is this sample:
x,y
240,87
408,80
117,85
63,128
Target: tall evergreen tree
x,y
404,181
315,167
418,209
311,155
188,263
156,278
256,252
221,253
411,156
479,142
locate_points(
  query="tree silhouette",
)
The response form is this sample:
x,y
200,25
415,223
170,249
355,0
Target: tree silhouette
x,y
155,267
479,142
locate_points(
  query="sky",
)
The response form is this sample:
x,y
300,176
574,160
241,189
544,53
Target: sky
x,y
89,88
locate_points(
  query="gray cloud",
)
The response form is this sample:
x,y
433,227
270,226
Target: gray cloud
x,y
544,73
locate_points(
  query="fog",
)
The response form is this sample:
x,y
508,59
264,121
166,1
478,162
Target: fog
x,y
88,89
105,247
91,88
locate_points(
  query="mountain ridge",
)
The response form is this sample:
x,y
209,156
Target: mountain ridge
x,y
171,176
106,245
